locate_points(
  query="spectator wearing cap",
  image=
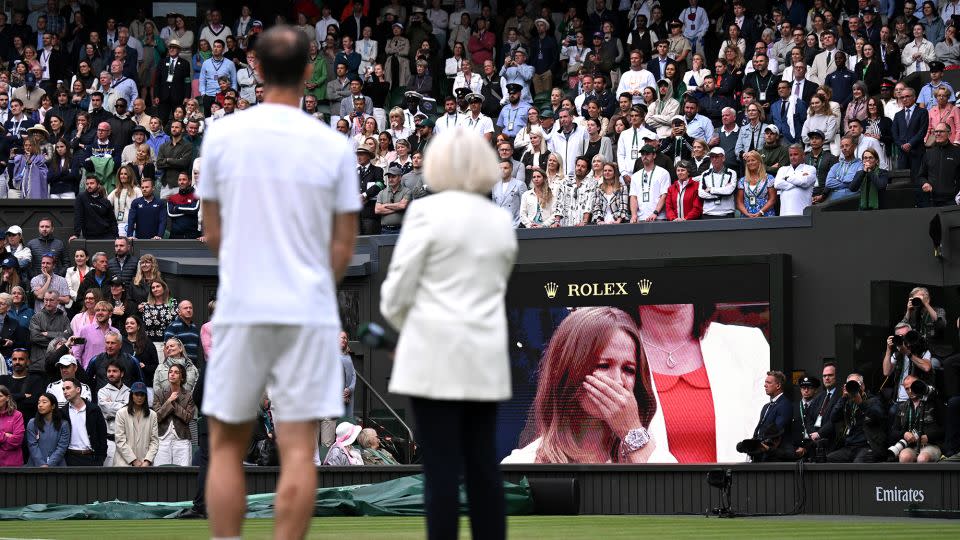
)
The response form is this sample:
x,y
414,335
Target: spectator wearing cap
x,y
29,94
371,183
392,201
545,53
419,140
139,138
805,413
648,187
48,280
475,120
773,153
679,145
123,306
716,186
927,97
412,99
662,108
136,432
14,240
513,117
173,84
69,369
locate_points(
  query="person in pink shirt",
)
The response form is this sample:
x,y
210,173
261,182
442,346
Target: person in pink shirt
x,y
94,334
11,431
206,331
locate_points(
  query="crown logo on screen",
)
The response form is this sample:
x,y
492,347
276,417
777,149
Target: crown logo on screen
x,y
551,289
645,285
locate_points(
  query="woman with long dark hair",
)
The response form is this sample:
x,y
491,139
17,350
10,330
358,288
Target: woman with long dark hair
x,y
594,398
48,434
63,175
138,345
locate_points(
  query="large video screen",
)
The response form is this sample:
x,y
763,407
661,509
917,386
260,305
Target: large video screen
x,y
603,356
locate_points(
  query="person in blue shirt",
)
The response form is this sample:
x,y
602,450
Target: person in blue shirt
x,y
842,173
211,70
513,117
515,70
148,214
928,98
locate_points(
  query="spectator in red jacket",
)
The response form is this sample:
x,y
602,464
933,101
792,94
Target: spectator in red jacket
x,y
683,203
481,44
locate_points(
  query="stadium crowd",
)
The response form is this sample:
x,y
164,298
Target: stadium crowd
x,y
602,112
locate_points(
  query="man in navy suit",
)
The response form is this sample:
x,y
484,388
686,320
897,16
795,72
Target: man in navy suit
x,y
788,113
909,128
768,442
658,64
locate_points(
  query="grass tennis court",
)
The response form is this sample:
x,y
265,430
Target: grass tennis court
x,y
523,527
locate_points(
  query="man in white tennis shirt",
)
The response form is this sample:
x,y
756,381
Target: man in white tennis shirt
x,y
265,337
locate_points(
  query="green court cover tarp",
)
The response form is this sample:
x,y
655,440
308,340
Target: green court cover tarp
x,y
400,497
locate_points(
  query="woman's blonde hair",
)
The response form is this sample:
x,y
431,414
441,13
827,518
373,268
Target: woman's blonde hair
x,y
761,173
462,160
154,272
546,194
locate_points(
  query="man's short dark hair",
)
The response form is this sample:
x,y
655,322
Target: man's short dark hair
x,y
20,101
283,53
117,364
220,41
97,94
73,381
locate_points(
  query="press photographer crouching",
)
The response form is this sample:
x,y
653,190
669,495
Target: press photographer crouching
x,y
858,425
916,425
906,355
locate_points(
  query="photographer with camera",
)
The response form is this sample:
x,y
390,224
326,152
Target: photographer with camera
x,y
916,425
906,355
929,321
857,425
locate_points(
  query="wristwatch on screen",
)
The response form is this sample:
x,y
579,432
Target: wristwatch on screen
x,y
635,440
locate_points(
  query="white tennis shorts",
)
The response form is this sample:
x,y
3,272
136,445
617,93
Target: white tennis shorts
x,y
298,366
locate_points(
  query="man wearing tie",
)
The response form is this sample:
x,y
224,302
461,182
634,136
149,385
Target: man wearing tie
x,y
824,63
172,81
801,86
777,411
824,402
909,128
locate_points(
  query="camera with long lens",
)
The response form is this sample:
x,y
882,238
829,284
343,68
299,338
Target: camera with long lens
x,y
922,389
916,301
901,445
913,340
852,387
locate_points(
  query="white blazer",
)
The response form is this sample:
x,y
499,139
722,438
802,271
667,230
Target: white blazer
x,y
445,293
737,359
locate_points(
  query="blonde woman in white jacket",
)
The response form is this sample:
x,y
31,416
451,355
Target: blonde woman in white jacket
x,y
444,291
